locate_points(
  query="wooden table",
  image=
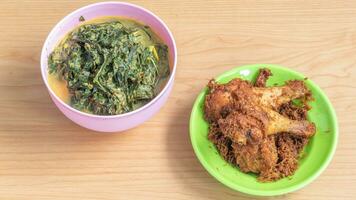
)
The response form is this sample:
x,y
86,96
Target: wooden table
x,y
43,155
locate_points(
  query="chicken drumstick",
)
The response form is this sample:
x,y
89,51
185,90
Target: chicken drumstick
x,y
244,112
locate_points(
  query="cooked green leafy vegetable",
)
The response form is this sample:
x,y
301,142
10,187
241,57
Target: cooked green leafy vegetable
x,y
111,67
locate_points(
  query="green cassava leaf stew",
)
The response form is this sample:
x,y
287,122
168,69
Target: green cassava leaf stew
x,y
108,66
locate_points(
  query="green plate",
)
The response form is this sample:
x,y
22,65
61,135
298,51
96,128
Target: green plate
x,y
316,156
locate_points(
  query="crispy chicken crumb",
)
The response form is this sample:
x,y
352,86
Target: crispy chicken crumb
x,y
257,128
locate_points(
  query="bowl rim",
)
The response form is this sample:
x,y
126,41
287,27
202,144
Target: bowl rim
x,y
275,192
152,101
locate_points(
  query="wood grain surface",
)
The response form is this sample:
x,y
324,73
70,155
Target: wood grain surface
x,y
43,155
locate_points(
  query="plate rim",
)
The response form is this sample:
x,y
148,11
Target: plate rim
x,y
275,192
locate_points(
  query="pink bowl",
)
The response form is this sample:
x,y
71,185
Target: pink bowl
x,y
125,121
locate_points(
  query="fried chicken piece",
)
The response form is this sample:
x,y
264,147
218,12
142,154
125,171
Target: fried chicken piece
x,y
256,158
218,103
256,126
240,128
274,97
220,100
278,124
222,97
246,112
245,119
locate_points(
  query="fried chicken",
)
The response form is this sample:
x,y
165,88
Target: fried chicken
x,y
253,125
244,111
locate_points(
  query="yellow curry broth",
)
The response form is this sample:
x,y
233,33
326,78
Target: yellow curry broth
x,y
59,87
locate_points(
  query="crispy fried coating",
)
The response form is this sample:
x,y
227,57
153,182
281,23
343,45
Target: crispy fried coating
x,y
258,128
262,77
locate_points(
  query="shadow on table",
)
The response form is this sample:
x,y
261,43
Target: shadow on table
x,y
184,164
